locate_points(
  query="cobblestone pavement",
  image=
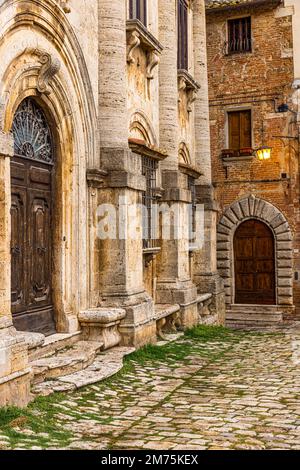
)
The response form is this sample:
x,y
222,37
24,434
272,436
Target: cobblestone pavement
x,y
240,391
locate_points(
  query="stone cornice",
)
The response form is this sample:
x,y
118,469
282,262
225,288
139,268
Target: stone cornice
x,y
142,148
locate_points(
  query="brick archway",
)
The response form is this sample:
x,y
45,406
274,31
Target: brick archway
x,y
255,208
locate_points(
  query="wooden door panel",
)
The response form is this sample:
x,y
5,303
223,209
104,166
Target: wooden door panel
x,y
245,282
40,245
18,257
254,253
264,282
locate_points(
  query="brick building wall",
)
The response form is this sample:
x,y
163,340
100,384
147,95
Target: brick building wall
x,y
261,81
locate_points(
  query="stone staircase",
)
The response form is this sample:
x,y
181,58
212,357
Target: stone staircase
x,y
253,316
65,362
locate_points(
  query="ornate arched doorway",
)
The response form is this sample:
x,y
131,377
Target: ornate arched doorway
x,y
254,264
32,170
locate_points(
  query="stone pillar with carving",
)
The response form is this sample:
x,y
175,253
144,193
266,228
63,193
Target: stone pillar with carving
x,y
174,284
116,185
205,264
14,371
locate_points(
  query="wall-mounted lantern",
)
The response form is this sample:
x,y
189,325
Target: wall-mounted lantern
x,y
264,152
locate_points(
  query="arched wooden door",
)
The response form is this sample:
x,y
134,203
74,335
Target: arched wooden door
x,y
254,254
31,221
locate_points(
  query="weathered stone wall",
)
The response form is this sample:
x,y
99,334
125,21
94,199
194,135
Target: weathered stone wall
x,y
101,81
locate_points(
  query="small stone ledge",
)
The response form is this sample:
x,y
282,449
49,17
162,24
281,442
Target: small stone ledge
x,y
14,376
101,324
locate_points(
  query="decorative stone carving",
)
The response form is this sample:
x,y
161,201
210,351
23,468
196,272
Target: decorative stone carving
x,y
186,84
133,43
65,5
139,36
50,67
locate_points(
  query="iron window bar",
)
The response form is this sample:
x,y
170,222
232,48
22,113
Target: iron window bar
x,y
239,36
149,169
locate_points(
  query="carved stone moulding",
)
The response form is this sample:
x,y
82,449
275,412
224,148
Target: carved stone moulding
x,y
50,66
187,84
65,5
139,36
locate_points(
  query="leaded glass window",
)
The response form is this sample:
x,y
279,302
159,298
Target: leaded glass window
x,y
32,135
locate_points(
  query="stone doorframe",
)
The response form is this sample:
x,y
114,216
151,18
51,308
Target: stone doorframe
x,y
247,208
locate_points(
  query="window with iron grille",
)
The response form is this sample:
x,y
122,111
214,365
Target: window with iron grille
x,y
192,213
149,168
138,10
239,35
182,35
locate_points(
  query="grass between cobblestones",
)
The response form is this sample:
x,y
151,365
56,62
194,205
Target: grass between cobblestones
x,y
40,423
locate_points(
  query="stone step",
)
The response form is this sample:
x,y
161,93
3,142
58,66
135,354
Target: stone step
x,y
253,316
235,325
254,308
66,361
51,344
105,365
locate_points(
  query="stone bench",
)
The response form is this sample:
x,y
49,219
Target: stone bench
x,y
167,318
101,324
204,301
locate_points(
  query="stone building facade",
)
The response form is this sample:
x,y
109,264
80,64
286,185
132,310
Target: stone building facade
x,y
253,69
103,107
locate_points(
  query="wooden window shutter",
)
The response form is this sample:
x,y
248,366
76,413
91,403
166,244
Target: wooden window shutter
x,y
239,127
234,130
245,129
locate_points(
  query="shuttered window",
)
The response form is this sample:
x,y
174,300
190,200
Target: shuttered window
x,y
182,35
239,126
239,35
138,10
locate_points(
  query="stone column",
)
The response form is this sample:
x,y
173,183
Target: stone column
x,y
174,285
205,264
14,372
117,184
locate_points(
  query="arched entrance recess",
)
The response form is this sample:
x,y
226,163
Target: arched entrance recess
x,y
254,263
254,208
32,202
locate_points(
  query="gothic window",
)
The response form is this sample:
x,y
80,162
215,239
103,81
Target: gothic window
x,y
240,129
182,35
138,10
239,35
32,136
149,168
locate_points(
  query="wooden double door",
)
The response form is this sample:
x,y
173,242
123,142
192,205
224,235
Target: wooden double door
x,y
31,224
254,254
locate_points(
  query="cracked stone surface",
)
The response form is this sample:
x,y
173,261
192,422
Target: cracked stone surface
x,y
242,393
